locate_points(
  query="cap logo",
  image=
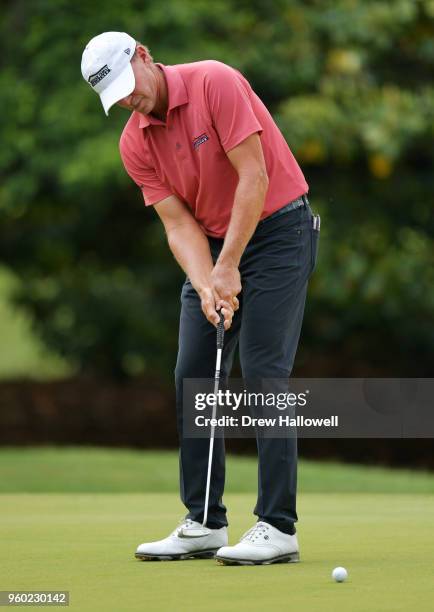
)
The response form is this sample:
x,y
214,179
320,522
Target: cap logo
x,y
127,51
94,79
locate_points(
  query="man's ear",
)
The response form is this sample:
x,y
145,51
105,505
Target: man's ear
x,y
142,53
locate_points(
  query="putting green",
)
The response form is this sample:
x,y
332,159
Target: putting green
x,y
108,470
85,543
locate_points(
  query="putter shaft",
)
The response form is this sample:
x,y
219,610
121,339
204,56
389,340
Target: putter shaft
x,y
220,340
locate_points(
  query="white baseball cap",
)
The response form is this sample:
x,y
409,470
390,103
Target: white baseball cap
x,y
106,66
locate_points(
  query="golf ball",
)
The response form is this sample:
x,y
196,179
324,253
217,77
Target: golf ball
x,y
339,574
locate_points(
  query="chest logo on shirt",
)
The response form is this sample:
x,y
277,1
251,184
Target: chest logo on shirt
x,y
200,140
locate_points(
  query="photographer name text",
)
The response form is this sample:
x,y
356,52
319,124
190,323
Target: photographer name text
x,y
281,421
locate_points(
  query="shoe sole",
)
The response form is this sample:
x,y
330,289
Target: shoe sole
x,y
199,554
291,558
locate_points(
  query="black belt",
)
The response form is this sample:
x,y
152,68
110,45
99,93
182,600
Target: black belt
x,y
298,203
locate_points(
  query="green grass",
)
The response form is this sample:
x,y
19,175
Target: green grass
x,y
85,543
71,518
96,470
23,355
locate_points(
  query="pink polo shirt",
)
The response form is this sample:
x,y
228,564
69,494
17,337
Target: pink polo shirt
x,y
211,110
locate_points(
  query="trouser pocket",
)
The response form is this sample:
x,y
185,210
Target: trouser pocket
x,y
315,230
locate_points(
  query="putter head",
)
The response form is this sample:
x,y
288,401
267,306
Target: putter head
x,y
194,532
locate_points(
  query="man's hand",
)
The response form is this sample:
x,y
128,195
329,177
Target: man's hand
x,y
211,303
226,283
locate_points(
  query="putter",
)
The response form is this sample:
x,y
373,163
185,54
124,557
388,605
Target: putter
x,y
198,532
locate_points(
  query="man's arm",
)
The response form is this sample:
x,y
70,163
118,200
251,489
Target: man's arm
x,y
191,249
248,160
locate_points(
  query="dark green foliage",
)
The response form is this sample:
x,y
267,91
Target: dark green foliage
x,y
350,84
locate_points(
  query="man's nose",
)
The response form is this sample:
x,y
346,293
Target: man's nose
x,y
126,100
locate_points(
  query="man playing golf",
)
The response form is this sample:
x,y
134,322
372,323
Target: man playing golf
x,y
209,158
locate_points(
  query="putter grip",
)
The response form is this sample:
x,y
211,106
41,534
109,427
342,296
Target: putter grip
x,y
220,331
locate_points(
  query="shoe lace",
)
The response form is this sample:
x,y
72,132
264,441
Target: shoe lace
x,y
257,531
183,523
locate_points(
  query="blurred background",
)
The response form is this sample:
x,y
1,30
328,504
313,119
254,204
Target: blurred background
x,y
89,292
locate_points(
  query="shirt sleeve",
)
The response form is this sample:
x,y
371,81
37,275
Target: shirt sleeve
x,y
229,100
153,189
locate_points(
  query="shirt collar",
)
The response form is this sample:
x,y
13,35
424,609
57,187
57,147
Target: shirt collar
x,y
176,90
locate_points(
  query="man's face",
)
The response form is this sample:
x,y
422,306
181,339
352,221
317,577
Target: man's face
x,y
144,97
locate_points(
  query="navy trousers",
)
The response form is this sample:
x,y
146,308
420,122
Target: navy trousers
x,y
275,268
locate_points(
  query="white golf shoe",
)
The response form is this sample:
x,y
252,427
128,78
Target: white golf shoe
x,y
178,545
263,544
